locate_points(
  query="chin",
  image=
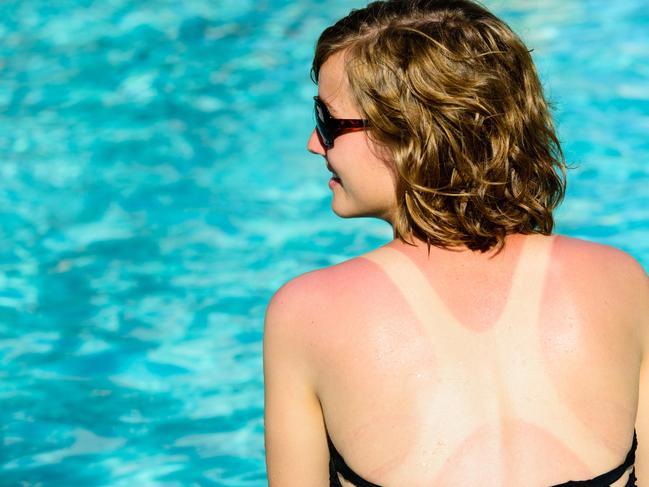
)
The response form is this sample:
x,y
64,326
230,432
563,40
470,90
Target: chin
x,y
344,213
354,212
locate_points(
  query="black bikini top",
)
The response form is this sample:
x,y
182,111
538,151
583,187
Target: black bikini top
x,y
337,464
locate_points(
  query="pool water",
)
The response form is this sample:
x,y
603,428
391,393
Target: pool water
x,y
155,191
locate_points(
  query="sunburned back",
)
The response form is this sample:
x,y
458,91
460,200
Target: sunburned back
x,y
457,369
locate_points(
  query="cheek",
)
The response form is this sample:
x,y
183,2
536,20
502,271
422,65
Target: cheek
x,y
383,184
378,171
375,186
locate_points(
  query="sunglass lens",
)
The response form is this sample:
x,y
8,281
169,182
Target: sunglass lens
x,y
321,124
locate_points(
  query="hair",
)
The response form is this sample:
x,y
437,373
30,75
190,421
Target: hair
x,y
452,94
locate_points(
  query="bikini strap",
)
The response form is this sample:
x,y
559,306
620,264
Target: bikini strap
x,y
612,476
337,464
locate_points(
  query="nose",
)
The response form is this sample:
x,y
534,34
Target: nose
x,y
314,145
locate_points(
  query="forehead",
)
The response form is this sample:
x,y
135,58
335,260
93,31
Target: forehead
x,y
333,87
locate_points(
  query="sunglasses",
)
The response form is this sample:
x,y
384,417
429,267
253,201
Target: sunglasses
x,y
329,128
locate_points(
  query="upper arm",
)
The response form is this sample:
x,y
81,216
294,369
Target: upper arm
x,y
642,418
295,438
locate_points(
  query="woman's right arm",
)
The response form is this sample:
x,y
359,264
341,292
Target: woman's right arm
x,y
295,436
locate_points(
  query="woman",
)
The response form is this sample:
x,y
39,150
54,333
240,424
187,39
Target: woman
x,y
476,348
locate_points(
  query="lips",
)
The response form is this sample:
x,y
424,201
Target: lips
x,y
335,175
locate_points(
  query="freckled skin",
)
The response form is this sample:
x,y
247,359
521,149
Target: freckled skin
x,y
471,463
581,328
416,389
450,278
373,349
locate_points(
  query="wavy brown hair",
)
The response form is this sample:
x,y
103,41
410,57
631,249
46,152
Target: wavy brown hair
x,y
452,94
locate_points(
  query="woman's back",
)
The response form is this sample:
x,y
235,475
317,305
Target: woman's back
x,y
460,369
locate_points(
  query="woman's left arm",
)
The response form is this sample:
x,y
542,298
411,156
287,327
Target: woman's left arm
x,y
639,281
295,438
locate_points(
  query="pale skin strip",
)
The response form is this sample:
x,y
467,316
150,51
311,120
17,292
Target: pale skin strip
x,y
425,303
297,449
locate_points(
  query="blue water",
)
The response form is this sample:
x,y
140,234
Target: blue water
x,y
155,191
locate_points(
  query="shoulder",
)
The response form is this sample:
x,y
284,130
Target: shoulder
x,y
610,275
304,294
306,302
598,259
307,314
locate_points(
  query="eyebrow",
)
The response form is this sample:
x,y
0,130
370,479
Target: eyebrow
x,y
333,112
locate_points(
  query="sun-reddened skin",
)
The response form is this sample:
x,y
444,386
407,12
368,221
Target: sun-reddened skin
x,y
435,370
